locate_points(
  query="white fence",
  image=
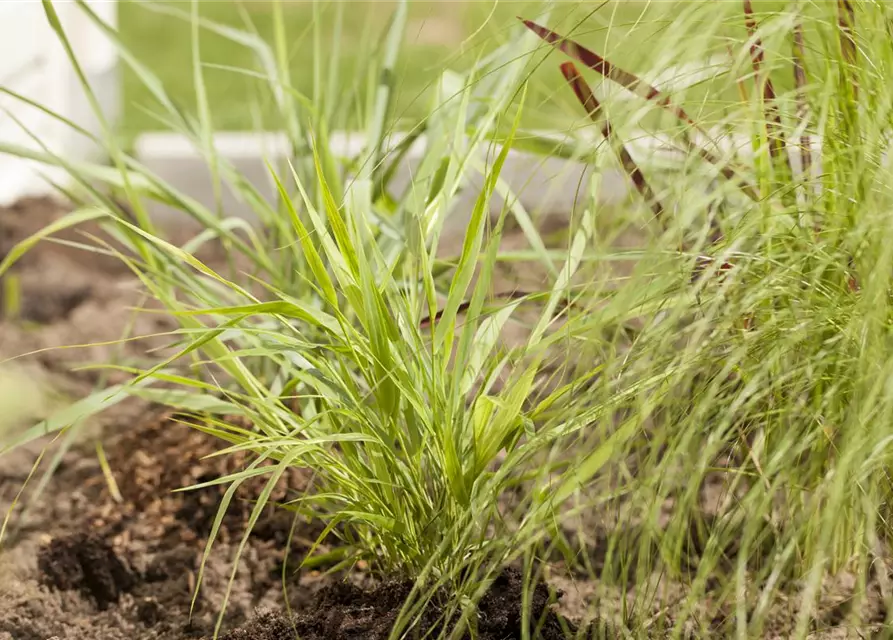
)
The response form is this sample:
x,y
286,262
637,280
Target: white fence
x,y
35,65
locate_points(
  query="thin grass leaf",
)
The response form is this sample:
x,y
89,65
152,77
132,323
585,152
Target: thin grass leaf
x,y
538,143
189,401
113,147
212,537
143,181
205,121
496,433
18,496
376,132
285,97
110,481
289,309
484,341
470,250
305,238
11,297
74,413
162,376
562,287
49,157
185,123
339,227
251,41
526,224
397,157
55,115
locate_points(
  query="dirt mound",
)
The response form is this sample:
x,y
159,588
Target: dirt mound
x,y
265,625
124,566
347,612
86,563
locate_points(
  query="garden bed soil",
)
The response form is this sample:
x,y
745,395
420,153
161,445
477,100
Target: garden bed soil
x,y
126,568
88,559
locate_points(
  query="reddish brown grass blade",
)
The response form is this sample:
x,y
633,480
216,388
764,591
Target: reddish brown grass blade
x,y
612,72
505,295
642,89
846,20
852,281
773,119
800,84
594,111
703,262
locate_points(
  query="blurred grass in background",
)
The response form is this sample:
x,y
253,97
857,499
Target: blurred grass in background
x,y
439,35
437,28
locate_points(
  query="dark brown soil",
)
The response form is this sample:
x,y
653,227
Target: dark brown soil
x,y
132,564
87,563
163,455
346,612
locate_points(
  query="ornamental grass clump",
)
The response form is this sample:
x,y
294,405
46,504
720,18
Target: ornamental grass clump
x,y
335,329
767,438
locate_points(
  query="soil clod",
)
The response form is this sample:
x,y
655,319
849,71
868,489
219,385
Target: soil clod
x,y
499,612
265,625
45,306
149,611
85,562
344,611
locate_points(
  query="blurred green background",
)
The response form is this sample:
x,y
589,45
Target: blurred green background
x,y
439,35
435,30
